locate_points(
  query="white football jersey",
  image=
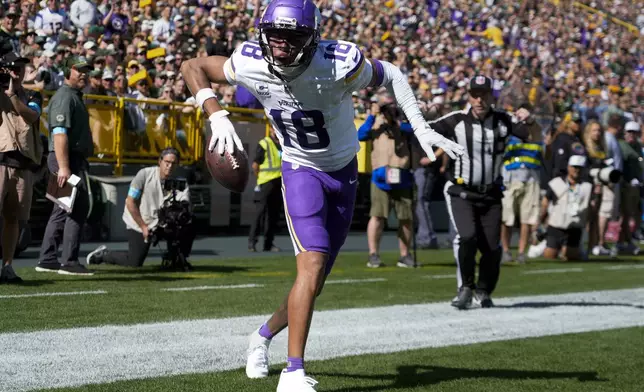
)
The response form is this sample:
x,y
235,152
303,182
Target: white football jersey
x,y
54,21
313,114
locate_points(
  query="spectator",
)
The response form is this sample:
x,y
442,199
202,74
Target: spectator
x,y
162,28
51,21
7,29
117,20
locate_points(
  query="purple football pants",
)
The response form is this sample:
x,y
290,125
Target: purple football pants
x,y
319,207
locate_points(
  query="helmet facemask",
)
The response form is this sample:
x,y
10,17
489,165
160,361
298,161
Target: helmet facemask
x,y
286,47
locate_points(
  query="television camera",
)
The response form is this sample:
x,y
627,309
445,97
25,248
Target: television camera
x,y
6,65
175,218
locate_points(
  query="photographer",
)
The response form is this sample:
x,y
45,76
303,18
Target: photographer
x,y
146,198
391,182
566,206
20,154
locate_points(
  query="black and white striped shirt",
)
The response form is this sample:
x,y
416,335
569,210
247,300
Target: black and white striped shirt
x,y
484,141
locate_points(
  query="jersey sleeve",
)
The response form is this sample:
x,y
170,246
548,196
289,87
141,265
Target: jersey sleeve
x,y
229,71
354,68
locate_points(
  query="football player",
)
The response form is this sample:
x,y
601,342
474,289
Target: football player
x,y
305,86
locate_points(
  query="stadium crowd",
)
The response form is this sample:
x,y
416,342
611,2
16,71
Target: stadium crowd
x,y
583,61
587,67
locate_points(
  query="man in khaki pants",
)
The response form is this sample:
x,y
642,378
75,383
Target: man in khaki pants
x,y
392,181
20,153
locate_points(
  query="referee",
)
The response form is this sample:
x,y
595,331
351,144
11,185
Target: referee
x,y
474,191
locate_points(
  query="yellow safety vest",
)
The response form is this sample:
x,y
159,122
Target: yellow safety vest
x,y
271,168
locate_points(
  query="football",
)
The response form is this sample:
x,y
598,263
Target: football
x,y
231,171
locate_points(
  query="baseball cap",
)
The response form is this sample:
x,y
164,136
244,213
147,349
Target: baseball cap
x,y
481,82
133,63
107,75
632,126
77,63
577,160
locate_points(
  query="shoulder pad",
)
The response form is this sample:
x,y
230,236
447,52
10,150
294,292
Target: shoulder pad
x,y
346,56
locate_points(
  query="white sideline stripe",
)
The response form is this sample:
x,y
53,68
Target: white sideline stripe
x,y
53,294
81,356
446,276
346,281
234,286
553,271
624,267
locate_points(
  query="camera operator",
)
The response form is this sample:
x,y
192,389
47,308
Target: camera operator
x,y
145,199
566,206
391,181
20,154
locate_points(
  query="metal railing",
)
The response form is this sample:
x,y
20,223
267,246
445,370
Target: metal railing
x,y
134,131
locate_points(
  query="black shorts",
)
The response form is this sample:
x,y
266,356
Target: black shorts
x,y
556,238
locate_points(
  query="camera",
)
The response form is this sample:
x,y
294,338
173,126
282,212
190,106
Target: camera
x,y
606,175
175,218
5,66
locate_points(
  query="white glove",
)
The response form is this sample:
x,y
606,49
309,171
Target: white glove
x,y
429,138
635,182
223,132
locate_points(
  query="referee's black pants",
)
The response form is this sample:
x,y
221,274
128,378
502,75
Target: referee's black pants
x,y
477,218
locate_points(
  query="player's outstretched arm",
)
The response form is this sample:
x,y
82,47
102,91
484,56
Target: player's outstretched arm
x,y
387,74
198,74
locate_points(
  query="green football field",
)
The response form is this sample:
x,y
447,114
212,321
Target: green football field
x,y
560,326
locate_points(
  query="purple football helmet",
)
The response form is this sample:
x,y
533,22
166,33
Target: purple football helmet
x,y
291,28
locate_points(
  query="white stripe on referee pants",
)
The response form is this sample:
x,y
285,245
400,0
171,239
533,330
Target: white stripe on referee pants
x,y
457,239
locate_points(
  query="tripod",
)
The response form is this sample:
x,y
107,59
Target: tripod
x,y
173,259
174,220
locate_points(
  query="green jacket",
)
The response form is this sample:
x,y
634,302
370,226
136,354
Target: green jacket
x,y
67,110
633,160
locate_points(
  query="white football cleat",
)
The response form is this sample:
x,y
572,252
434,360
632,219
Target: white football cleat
x,y
257,360
295,381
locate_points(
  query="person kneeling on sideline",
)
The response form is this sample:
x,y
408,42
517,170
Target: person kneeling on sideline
x,y
144,199
566,205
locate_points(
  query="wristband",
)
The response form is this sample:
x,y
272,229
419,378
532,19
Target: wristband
x,y
203,95
218,115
